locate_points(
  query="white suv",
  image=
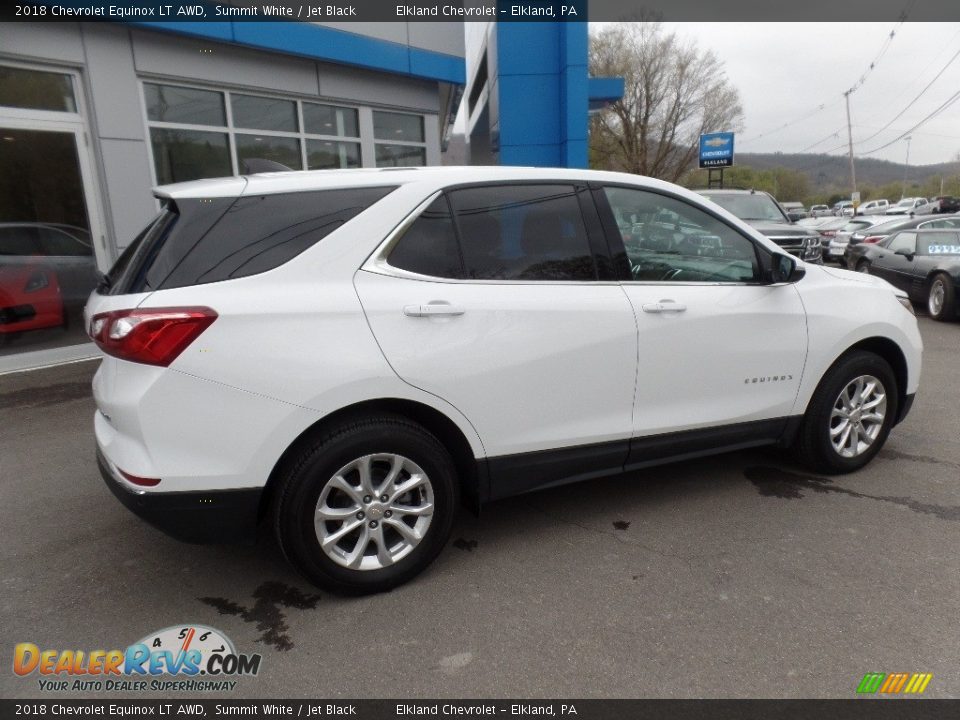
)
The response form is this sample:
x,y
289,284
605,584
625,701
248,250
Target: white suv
x,y
348,354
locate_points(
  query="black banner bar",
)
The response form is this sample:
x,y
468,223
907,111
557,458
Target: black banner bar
x,y
854,709
480,11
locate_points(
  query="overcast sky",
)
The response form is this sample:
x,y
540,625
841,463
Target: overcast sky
x,y
785,71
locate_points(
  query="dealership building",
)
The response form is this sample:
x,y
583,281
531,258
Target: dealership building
x,y
93,115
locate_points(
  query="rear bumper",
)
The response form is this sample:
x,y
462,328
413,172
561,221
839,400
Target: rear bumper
x,y
215,516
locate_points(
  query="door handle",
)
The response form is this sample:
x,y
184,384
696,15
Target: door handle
x,y
432,310
663,306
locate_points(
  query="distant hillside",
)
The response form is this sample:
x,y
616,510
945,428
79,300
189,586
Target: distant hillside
x,y
826,171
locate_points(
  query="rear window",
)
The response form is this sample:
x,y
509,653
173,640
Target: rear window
x,y
204,240
941,243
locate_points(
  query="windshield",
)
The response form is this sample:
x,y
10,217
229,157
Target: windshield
x,y
907,202
750,207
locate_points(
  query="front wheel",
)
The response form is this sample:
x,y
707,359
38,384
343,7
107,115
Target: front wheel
x,y
941,301
367,506
850,414
864,267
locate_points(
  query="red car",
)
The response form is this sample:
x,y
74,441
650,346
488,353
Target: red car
x,y
29,299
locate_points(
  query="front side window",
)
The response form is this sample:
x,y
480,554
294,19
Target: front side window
x,y
523,232
903,241
669,240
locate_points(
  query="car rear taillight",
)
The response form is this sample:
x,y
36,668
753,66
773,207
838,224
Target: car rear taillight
x,y
137,480
829,233
154,336
873,238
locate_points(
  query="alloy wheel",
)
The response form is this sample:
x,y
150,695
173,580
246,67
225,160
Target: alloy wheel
x,y
374,511
857,416
937,295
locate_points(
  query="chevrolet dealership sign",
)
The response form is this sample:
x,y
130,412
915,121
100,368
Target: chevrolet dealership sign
x,y
716,150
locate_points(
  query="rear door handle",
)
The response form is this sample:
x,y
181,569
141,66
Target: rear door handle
x,y
432,310
663,306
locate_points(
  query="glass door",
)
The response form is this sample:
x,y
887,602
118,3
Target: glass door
x,y
50,238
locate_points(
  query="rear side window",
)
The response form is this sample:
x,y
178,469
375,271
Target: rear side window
x,y
523,232
939,243
499,232
429,246
198,241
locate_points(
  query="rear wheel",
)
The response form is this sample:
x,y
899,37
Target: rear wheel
x,y
850,414
367,506
941,302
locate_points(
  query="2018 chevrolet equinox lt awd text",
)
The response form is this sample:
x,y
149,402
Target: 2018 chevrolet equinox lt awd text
x,y
349,354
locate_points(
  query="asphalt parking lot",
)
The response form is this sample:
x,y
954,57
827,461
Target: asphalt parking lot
x,y
735,576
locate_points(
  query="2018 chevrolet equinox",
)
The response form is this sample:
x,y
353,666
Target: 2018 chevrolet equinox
x,y
349,354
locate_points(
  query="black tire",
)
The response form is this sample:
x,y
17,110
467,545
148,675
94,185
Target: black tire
x,y
305,477
863,266
948,308
813,446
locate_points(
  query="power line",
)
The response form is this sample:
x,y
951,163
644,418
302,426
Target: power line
x,y
834,134
911,103
883,49
950,101
777,129
856,86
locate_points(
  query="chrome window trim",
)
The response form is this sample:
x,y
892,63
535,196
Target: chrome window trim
x,y
377,263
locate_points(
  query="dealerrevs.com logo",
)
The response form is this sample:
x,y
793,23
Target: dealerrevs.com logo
x,y
191,658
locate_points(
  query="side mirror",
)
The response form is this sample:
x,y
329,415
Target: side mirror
x,y
784,268
908,254
793,216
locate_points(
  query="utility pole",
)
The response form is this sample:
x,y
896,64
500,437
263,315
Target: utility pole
x,y
906,164
853,171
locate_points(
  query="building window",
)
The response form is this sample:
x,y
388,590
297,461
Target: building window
x,y
399,139
180,155
262,113
197,133
36,90
188,106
